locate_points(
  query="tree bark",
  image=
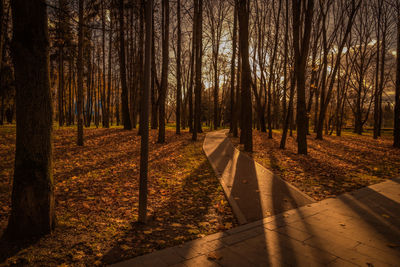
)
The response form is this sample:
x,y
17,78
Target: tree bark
x,y
124,93
244,11
396,141
233,62
144,146
79,66
301,47
32,202
178,71
164,72
198,56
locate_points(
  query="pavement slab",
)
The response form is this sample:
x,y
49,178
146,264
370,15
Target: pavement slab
x,y
360,228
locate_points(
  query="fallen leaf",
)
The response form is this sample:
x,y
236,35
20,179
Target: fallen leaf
x,y
214,256
125,247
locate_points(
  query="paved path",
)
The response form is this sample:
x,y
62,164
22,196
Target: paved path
x,y
253,191
361,229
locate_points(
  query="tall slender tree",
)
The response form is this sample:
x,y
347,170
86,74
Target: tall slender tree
x,y
302,19
144,146
396,141
79,67
233,123
164,72
198,48
246,108
124,93
178,70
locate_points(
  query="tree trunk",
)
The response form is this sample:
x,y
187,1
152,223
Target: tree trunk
x,y
198,66
60,86
144,145
233,61
154,102
288,113
244,11
109,75
124,93
178,71
79,67
377,69
301,55
164,72
32,202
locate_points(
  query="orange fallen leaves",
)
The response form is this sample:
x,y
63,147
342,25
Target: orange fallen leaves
x,y
333,166
96,188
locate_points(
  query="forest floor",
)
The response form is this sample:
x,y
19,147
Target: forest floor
x,y
333,166
96,189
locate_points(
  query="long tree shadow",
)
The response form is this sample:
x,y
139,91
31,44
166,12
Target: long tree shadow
x,y
183,217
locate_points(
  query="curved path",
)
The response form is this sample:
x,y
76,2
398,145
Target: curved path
x,y
253,191
361,228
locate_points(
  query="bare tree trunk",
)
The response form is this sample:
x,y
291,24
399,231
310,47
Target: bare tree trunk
x,y
60,86
301,47
144,145
154,101
198,65
396,141
32,202
191,79
178,71
109,75
244,11
164,72
79,67
377,69
233,123
124,94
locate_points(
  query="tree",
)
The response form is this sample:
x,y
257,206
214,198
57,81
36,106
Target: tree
x,y
79,67
302,19
233,121
216,12
246,131
32,208
396,141
144,145
351,12
198,50
2,33
272,67
178,71
122,60
164,72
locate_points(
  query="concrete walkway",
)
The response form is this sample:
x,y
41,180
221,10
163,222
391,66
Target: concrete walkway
x,y
253,191
355,229
361,229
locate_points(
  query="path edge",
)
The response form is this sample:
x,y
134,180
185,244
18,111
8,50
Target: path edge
x,y
232,202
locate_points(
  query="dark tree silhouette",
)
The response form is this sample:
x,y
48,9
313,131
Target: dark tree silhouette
x,y
32,208
246,107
